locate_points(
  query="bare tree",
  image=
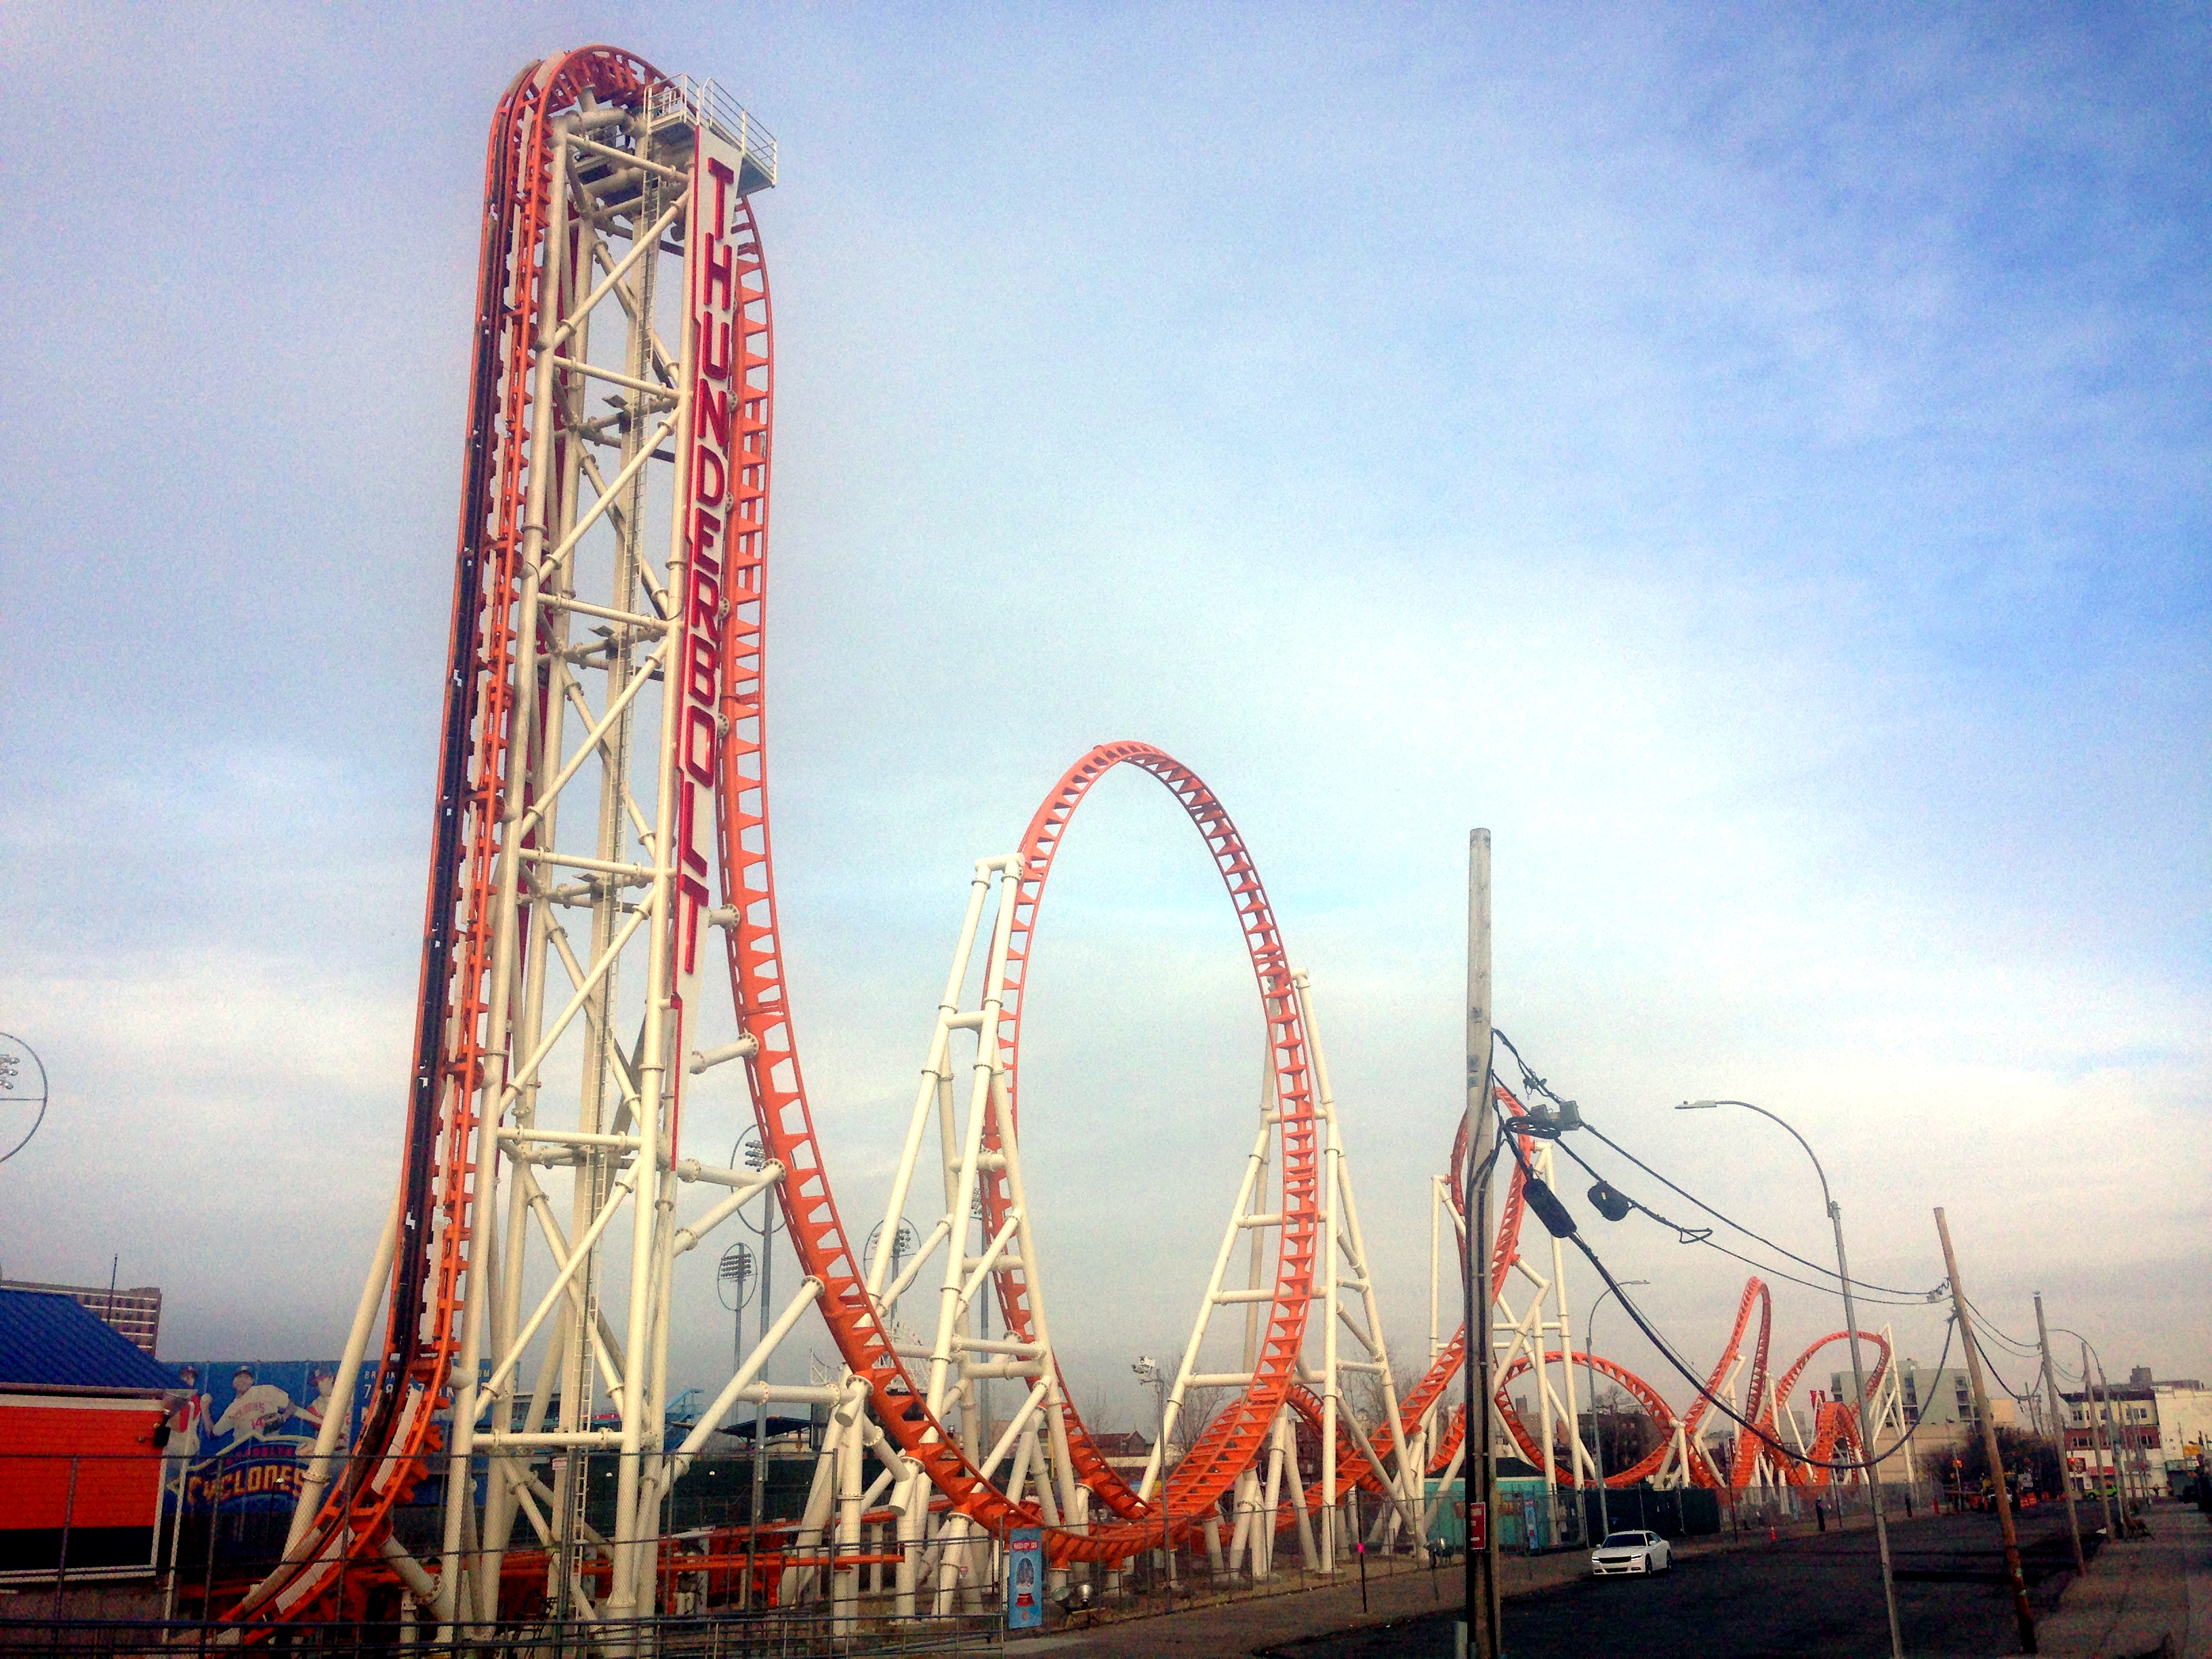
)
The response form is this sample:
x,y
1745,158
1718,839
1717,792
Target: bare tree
x,y
1365,1398
1200,1405
1097,1417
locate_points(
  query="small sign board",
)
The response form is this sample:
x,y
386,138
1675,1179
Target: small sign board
x,y
1025,1578
1478,1526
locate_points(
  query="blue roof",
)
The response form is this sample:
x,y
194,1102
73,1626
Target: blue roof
x,y
50,1341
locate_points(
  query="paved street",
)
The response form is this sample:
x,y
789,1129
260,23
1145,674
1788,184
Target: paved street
x,y
1800,1597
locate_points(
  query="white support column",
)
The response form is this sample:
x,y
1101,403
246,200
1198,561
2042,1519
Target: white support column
x,y
1331,1385
1372,1339
846,1580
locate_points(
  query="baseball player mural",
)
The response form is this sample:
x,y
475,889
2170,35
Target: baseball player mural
x,y
242,1435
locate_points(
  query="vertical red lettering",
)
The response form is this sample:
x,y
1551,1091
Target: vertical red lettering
x,y
715,366
713,406
706,465
724,179
717,273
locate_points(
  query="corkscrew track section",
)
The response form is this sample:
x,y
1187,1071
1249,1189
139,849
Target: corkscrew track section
x,y
1837,1428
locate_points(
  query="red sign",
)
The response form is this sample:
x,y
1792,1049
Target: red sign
x,y
1478,1526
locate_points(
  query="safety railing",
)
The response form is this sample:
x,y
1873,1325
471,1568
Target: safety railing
x,y
705,103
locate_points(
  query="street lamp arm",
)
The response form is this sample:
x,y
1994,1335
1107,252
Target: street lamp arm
x,y
1694,1105
1867,1435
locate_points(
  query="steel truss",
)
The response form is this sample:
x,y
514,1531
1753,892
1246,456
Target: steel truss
x,y
602,809
616,489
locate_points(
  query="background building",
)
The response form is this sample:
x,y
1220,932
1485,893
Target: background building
x,y
136,1312
2184,1426
2131,1431
2161,1428
1942,1403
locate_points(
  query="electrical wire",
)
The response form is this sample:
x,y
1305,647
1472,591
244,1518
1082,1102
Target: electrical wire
x,y
1667,1351
1535,1084
1993,1372
1922,1296
1705,1236
1984,1323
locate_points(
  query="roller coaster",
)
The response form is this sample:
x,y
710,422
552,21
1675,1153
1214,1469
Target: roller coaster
x,y
602,834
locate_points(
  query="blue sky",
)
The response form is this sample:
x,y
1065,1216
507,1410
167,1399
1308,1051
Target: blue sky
x,y
1754,462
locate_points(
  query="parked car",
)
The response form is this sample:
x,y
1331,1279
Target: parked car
x,y
1632,1552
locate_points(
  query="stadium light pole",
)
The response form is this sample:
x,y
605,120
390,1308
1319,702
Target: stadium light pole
x,y
1859,1369
1597,1425
1149,1374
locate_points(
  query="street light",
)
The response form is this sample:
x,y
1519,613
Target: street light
x,y
1597,1438
1149,1375
1859,1369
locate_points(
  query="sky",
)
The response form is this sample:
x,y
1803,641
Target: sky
x,y
1754,462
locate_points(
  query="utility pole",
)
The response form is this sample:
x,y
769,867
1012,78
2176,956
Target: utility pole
x,y
2021,1609
2096,1438
1481,1629
2123,1486
2058,1434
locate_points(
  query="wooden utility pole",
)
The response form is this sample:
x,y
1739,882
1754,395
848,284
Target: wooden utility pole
x,y
2123,1482
2021,1609
1482,1633
2058,1434
2097,1438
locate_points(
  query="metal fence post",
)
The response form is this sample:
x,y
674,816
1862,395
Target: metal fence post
x,y
214,1518
61,1562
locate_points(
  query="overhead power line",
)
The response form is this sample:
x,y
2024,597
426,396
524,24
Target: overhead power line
x,y
1537,1086
1557,1221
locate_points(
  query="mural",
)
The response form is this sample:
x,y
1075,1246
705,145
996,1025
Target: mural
x,y
241,1442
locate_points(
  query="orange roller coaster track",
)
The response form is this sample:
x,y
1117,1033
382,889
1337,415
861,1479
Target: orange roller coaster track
x,y
602,806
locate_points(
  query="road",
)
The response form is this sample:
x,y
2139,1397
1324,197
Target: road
x,y
1801,1597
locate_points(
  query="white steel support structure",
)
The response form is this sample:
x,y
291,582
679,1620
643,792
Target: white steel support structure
x,y
1344,1263
598,919
608,833
626,187
976,1271
1886,1416
1523,1333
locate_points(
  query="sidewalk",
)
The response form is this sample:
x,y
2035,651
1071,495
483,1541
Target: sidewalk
x,y
2139,1593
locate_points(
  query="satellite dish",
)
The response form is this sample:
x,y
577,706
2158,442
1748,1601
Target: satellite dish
x,y
22,1095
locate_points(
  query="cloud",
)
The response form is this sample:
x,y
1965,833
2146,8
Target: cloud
x,y
1755,469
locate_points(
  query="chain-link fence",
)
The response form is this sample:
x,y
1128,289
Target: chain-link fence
x,y
101,1552
777,1635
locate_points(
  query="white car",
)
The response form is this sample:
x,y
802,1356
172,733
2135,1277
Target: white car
x,y
1632,1552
